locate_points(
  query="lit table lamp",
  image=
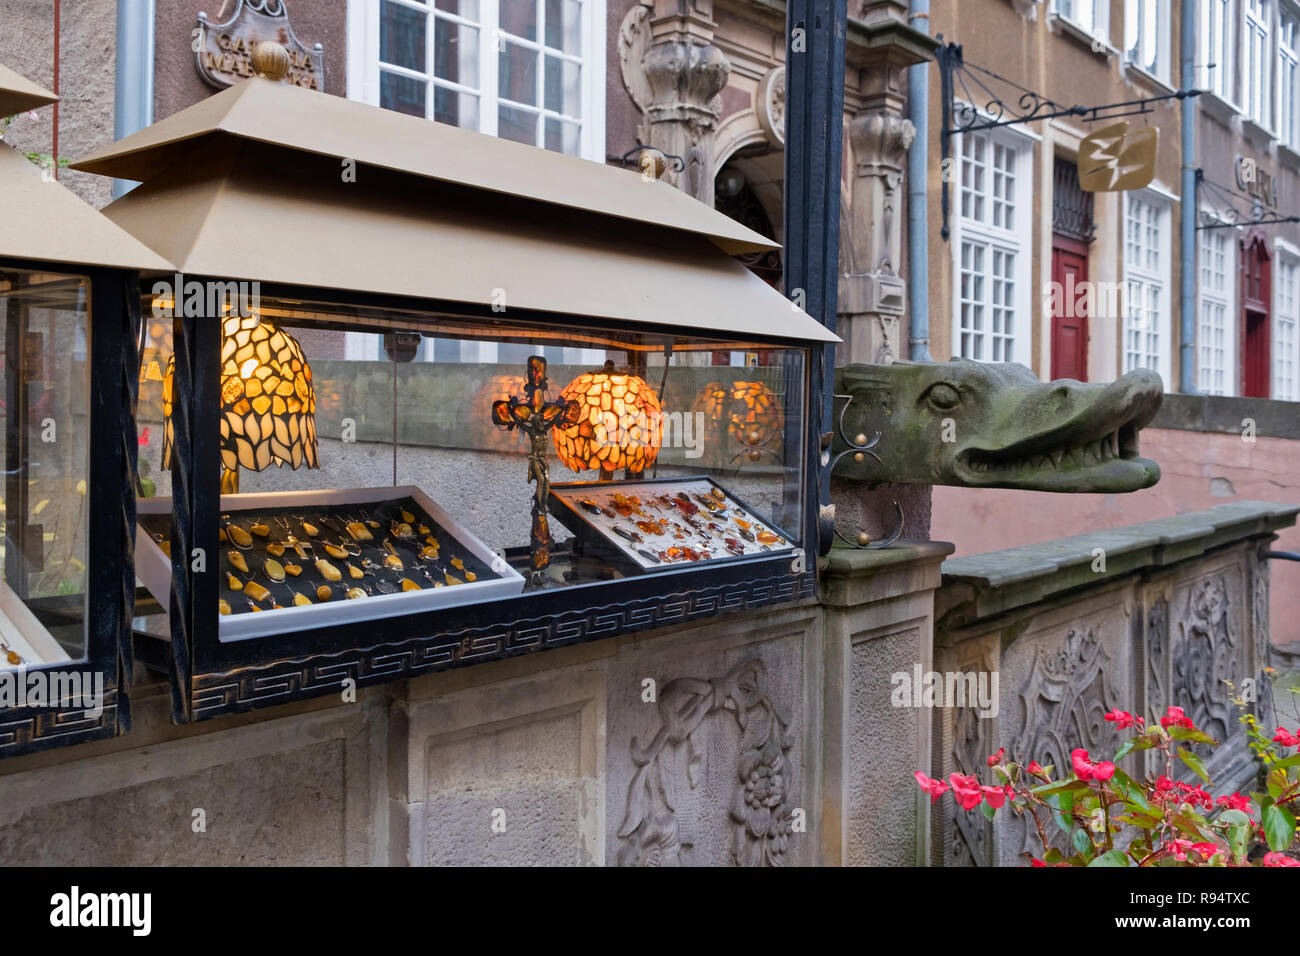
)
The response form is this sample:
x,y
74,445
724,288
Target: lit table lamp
x,y
268,404
617,424
747,411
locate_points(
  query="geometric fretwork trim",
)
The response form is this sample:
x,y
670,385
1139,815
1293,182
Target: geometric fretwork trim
x,y
283,681
38,728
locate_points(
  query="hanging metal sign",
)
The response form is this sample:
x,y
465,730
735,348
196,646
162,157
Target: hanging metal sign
x,y
1113,159
223,51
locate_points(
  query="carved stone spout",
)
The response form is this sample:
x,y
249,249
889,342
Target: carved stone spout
x,y
982,425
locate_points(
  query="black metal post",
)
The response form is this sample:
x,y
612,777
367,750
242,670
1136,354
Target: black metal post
x,y
814,133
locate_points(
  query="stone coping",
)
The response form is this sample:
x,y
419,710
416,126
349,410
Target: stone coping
x,y
853,576
1001,580
1218,413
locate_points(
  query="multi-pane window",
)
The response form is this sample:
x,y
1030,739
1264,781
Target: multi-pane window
x,y
1286,343
1217,46
1258,58
991,248
1288,55
1146,284
527,70
1215,329
1145,35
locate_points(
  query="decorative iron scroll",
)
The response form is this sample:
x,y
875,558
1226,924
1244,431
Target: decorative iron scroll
x,y
989,100
1225,214
860,447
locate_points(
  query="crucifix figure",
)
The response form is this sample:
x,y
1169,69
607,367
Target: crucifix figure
x,y
535,416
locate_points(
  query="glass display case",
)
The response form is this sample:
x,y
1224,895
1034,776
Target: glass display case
x,y
366,402
70,316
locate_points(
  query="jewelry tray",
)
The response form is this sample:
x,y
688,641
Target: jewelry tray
x,y
495,578
596,530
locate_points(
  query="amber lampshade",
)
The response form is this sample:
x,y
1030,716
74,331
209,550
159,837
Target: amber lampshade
x,y
268,404
748,412
617,424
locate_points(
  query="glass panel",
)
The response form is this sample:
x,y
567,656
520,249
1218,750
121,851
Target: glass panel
x,y
455,52
563,93
519,17
456,108
461,8
401,36
386,434
564,25
45,496
518,125
517,75
401,93
562,137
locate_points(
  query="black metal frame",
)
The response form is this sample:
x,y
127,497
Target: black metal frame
x,y
112,331
1234,216
1029,107
211,678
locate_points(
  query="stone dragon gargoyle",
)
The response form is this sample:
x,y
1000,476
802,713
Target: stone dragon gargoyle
x,y
983,425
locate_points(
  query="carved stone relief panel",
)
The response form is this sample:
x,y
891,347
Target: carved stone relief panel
x,y
963,740
1207,651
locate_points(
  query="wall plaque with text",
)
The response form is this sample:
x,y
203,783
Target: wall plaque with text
x,y
223,50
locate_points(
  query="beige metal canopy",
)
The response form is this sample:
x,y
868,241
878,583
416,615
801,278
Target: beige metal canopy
x,y
17,93
250,184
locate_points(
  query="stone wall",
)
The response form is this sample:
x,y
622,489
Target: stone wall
x,y
1140,618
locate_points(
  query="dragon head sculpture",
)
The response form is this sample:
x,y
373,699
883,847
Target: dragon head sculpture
x,y
982,425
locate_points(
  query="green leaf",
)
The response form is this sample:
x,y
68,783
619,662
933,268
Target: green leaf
x,y
1130,789
1292,761
1064,802
1081,841
1186,733
1279,827
1146,821
987,810
1124,750
1193,763
1239,828
1053,856
1068,786
1111,858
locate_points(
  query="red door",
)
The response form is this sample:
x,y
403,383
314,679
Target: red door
x,y
1069,309
1256,325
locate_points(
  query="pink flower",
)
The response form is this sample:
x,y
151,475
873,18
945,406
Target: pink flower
x,y
1286,738
1235,802
996,796
1120,718
1174,717
144,437
1164,784
1180,848
996,758
1036,770
1206,850
966,790
935,788
1280,859
1082,766
1103,771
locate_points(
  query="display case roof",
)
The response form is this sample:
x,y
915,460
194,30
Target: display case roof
x,y
44,220
17,93
307,121
250,184
230,213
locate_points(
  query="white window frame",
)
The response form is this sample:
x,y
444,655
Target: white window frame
x,y
1216,43
1146,23
1286,323
363,82
1018,240
1287,94
1213,242
1257,58
1144,277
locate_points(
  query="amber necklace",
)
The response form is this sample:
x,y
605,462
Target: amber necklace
x,y
11,655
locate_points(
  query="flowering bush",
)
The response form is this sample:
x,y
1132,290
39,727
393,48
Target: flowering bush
x,y
1114,820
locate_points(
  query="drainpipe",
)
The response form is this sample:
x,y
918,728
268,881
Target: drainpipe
x,y
918,238
133,97
1187,338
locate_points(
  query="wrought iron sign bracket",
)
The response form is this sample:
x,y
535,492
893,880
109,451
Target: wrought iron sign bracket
x,y
1233,217
859,447
1020,105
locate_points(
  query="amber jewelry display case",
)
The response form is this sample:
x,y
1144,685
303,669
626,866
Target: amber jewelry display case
x,y
69,303
460,324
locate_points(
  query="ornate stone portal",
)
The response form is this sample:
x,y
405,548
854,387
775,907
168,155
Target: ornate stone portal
x,y
674,73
